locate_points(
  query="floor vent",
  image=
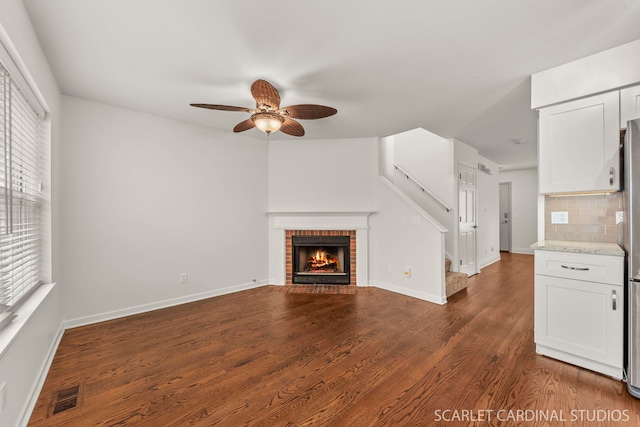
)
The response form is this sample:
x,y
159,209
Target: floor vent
x,y
66,399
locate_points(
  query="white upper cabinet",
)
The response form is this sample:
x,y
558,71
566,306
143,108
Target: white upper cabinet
x,y
629,105
579,145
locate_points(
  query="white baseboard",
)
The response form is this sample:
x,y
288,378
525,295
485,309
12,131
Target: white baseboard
x,y
129,311
488,261
410,292
525,251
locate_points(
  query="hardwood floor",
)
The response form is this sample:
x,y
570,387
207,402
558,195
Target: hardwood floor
x,y
264,357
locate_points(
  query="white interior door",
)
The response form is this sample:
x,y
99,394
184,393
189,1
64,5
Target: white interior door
x,y
468,225
505,216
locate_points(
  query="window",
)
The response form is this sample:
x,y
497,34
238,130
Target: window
x,y
21,205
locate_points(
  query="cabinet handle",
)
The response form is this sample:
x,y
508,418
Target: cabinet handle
x,y
611,175
614,298
575,268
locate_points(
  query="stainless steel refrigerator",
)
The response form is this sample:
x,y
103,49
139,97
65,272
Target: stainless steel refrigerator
x,y
631,227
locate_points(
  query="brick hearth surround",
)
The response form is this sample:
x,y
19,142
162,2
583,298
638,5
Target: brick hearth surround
x,y
289,255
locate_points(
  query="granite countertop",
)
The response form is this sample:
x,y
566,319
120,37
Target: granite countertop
x,y
579,247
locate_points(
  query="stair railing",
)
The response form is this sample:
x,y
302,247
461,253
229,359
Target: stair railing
x,y
422,187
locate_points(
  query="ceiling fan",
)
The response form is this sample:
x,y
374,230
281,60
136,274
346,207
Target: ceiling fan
x,y
268,116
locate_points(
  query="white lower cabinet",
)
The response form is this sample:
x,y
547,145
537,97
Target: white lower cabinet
x,y
579,309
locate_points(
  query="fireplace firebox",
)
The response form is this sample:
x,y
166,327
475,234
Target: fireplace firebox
x,y
321,260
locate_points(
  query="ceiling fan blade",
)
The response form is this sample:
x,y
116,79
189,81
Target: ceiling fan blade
x,y
222,107
265,93
309,111
244,125
291,127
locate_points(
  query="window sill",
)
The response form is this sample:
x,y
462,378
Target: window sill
x,y
9,334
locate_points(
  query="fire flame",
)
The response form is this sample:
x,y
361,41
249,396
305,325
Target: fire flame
x,y
322,260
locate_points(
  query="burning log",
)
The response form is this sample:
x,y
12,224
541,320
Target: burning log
x,y
322,262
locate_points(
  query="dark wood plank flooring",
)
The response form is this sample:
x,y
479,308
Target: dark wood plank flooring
x,y
265,357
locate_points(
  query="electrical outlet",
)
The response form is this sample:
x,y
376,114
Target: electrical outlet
x,y
559,217
619,217
184,278
407,271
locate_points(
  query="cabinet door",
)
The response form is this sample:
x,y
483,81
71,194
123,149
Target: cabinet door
x,y
579,145
580,318
629,105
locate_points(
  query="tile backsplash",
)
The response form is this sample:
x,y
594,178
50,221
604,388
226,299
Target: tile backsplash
x,y
592,218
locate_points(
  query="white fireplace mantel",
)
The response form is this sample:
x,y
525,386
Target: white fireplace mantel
x,y
279,222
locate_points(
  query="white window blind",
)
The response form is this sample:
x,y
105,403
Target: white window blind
x,y
21,148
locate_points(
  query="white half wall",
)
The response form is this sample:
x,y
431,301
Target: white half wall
x,y
402,239
524,207
147,199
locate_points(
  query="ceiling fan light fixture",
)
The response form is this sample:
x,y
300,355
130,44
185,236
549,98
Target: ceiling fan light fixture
x,y
267,122
268,117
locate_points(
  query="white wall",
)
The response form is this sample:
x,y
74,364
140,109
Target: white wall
x,y
148,198
307,175
488,214
23,363
524,206
429,159
466,154
386,157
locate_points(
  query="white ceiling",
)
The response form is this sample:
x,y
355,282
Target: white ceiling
x,y
458,68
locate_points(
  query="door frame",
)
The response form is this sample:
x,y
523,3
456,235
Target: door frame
x,y
509,214
475,267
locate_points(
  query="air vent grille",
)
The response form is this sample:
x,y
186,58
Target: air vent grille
x,y
66,399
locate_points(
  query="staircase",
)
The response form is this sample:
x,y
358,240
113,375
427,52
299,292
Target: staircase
x,y
433,189
455,282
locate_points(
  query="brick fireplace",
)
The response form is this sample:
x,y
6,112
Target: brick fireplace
x,y
284,225
289,253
